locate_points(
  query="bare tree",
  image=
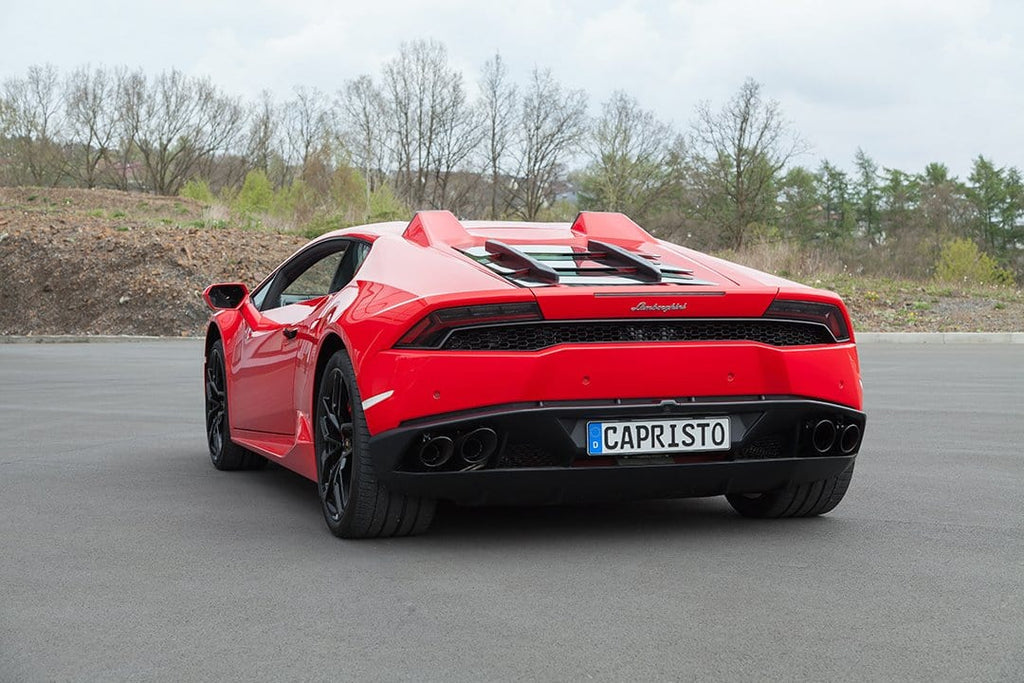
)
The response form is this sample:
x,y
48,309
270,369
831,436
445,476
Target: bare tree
x,y
459,134
9,172
552,125
93,121
365,132
498,102
741,150
432,129
261,144
179,124
34,115
634,159
309,131
131,96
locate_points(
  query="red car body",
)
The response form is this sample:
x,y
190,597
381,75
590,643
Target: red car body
x,y
535,333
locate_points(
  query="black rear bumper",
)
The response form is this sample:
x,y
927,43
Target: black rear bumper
x,y
541,455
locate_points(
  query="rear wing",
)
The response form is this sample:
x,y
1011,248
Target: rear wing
x,y
434,228
596,261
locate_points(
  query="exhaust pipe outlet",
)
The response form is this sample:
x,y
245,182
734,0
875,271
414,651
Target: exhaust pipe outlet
x,y
850,439
478,446
436,451
823,437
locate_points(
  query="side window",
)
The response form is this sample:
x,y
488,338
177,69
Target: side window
x,y
309,275
260,295
361,251
350,264
314,281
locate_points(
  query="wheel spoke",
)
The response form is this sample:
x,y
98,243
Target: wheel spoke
x,y
338,486
213,392
333,427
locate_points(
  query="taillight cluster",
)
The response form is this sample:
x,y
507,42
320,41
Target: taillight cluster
x,y
828,315
430,332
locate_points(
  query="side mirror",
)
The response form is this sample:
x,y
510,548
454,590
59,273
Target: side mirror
x,y
225,295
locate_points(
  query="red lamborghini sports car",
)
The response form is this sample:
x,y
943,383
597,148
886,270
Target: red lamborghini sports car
x,y
513,363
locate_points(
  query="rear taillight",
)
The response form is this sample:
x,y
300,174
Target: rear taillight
x,y
431,331
828,315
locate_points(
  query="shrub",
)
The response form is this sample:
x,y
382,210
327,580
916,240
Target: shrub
x,y
197,189
322,223
385,206
962,261
256,194
295,201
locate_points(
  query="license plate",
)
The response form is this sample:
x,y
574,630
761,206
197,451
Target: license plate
x,y
658,436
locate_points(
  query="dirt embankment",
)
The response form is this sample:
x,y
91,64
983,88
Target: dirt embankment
x,y
107,262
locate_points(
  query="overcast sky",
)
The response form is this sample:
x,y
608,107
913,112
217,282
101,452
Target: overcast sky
x,y
909,81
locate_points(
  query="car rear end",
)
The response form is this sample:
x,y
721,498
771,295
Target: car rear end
x,y
613,369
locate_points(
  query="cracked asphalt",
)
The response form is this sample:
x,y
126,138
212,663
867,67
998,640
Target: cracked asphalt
x,y
125,556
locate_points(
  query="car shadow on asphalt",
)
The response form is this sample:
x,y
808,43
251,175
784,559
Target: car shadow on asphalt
x,y
596,519
692,517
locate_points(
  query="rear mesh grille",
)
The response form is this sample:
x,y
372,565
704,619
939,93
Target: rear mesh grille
x,y
534,336
765,448
527,455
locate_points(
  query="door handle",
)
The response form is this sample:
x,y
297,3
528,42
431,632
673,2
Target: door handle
x,y
290,332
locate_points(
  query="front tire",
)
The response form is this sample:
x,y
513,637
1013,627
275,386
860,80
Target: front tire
x,y
354,503
225,454
796,500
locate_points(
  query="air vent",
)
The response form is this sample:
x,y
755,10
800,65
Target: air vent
x,y
541,335
600,263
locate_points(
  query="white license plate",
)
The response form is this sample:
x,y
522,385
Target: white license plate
x,y
658,436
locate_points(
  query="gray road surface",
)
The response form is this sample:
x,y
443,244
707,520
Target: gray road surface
x,y
124,555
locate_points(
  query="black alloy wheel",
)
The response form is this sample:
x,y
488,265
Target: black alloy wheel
x,y
354,502
216,403
225,454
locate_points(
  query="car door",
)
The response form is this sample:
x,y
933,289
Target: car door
x,y
267,351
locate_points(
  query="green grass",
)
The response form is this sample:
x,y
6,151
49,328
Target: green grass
x,y
212,223
918,293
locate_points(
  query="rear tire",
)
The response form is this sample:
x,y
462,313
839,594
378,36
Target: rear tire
x,y
225,454
354,503
796,500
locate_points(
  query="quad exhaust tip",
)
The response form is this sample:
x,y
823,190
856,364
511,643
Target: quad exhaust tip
x,y
436,451
850,439
823,437
478,446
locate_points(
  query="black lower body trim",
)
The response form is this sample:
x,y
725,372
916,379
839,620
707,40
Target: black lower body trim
x,y
551,485
537,454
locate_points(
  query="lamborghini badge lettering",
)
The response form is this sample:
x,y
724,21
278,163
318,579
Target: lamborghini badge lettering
x,y
660,308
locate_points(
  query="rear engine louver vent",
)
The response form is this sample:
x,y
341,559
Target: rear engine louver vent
x,y
600,264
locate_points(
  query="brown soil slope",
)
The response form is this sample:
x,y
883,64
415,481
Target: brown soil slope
x,y
106,262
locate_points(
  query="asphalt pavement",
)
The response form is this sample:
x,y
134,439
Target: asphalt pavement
x,y
125,556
